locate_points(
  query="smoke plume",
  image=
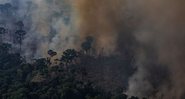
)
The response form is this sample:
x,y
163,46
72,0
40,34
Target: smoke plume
x,y
47,23
162,30
151,32
100,19
158,28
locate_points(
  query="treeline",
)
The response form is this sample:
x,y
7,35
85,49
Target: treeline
x,y
74,75
66,79
83,74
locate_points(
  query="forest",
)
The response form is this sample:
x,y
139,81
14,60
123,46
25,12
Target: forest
x,y
92,49
74,75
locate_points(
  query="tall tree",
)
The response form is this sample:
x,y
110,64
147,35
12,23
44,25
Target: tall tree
x,y
87,45
68,56
2,32
20,33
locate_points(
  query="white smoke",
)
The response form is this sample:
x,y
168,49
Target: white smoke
x,y
47,23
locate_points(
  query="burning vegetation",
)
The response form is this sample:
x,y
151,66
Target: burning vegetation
x,y
92,49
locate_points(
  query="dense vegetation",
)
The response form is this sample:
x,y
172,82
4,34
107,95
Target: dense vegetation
x,y
83,74
63,78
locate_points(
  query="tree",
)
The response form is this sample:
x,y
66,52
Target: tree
x,y
4,48
9,60
20,25
40,64
87,45
20,33
68,56
51,53
6,9
2,32
133,97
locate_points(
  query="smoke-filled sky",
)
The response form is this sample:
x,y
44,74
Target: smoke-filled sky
x,y
154,29
158,28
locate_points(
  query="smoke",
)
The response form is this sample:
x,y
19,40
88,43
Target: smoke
x,y
51,20
47,23
151,31
101,20
161,29
158,28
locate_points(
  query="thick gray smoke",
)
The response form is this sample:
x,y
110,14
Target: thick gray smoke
x,y
158,28
150,31
47,23
161,35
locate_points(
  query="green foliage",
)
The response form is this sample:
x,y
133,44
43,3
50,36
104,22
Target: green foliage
x,y
38,80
